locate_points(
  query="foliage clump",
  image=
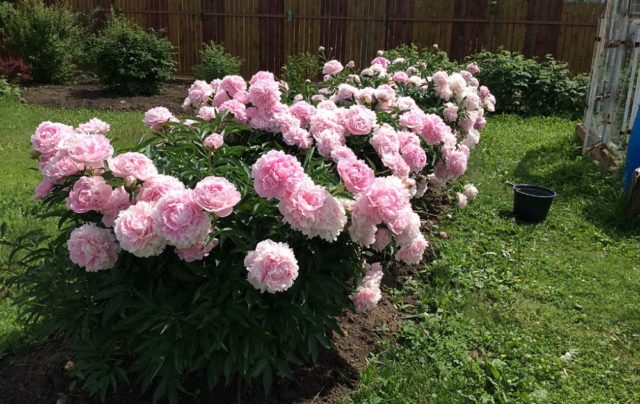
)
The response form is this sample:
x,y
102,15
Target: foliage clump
x,y
50,38
130,60
216,63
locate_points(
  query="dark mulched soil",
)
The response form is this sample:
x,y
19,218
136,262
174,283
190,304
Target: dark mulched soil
x,y
87,93
39,376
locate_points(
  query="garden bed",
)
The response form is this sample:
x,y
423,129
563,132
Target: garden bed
x,y
39,376
89,94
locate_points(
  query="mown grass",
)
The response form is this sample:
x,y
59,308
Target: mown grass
x,y
519,312
19,176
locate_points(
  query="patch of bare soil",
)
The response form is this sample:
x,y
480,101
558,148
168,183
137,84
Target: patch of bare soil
x,y
39,376
88,93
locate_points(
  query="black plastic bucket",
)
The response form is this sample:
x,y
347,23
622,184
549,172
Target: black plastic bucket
x,y
531,203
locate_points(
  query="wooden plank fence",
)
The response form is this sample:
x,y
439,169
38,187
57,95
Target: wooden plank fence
x,y
265,32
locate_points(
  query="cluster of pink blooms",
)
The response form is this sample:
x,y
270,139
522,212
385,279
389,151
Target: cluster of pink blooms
x,y
368,294
305,206
143,213
468,194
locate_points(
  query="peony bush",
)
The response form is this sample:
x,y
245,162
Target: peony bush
x,y
227,243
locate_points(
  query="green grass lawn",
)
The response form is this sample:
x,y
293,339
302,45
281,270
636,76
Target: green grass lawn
x,y
19,176
507,312
517,312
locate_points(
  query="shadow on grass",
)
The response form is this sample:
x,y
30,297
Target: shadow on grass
x,y
576,178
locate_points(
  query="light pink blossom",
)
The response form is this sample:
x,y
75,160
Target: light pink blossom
x,y
273,172
95,126
413,253
118,201
158,116
368,293
217,195
383,239
44,188
355,174
462,200
133,164
233,84
196,252
135,231
89,193
90,150
156,187
93,248
359,120
180,220
470,191
213,142
207,113
272,267
332,67
48,135
199,93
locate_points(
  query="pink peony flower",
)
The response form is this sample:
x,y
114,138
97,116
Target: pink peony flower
x,y
118,201
413,120
199,93
95,126
327,141
397,164
303,204
133,164
273,172
450,112
89,193
48,135
264,94
207,113
272,266
383,239
236,108
213,142
365,95
406,226
355,174
332,67
414,156
156,187
90,150
434,129
470,191
298,137
385,140
233,84
456,162
342,152
261,76
462,200
44,188
196,252
216,195
179,219
346,92
220,98
351,64
382,202
385,93
285,121
135,231
473,68
158,116
413,253
382,61
400,77
93,248
359,120
60,166
368,293
303,111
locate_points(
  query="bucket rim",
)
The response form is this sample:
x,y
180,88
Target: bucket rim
x,y
517,188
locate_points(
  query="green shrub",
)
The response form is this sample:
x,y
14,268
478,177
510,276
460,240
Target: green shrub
x,y
523,86
49,38
428,60
8,91
130,60
300,68
216,63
